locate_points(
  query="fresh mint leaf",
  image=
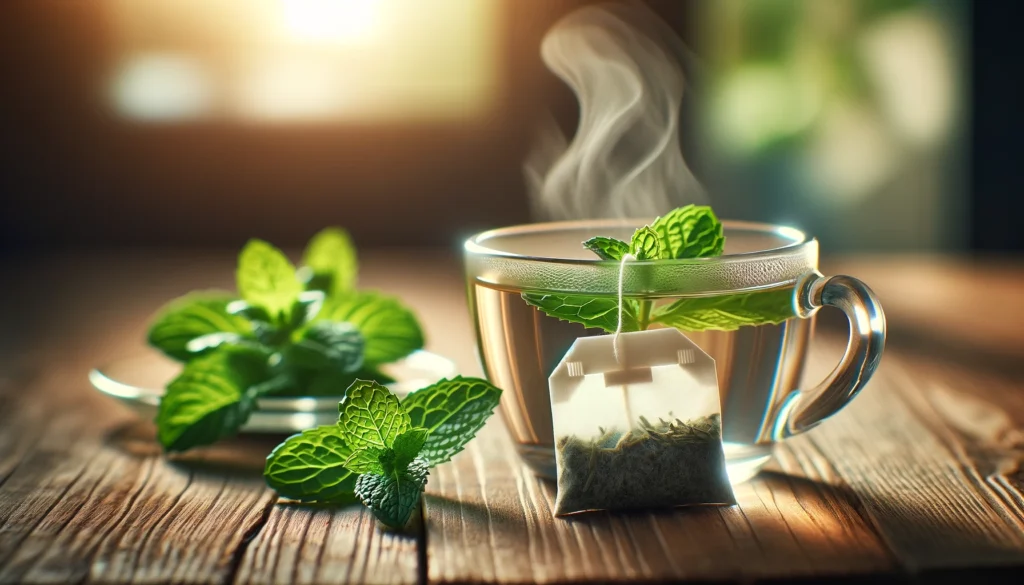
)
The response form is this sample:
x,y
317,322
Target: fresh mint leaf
x,y
607,248
248,311
306,308
366,460
371,416
646,245
210,399
266,278
728,312
191,317
452,411
393,497
331,261
309,467
373,460
591,312
328,345
692,231
389,328
210,341
406,448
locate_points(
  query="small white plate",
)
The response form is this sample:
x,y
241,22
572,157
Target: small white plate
x,y
139,382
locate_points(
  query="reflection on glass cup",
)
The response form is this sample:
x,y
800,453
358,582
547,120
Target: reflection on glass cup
x,y
759,367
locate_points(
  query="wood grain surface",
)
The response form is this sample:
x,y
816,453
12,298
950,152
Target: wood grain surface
x,y
919,477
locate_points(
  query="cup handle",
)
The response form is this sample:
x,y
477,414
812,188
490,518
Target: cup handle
x,y
804,409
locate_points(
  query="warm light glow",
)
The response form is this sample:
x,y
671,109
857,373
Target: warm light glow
x,y
289,90
331,20
162,87
305,61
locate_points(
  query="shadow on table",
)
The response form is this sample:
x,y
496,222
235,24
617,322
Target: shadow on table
x,y
243,456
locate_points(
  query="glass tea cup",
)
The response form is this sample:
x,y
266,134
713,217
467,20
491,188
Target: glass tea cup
x,y
759,367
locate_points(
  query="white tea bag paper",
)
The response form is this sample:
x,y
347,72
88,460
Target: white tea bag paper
x,y
637,428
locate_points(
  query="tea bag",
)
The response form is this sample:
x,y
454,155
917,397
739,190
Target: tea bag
x,y
637,424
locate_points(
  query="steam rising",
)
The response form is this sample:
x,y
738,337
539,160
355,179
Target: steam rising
x,y
625,159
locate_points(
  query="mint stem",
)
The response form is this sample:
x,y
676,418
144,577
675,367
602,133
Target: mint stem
x,y
644,320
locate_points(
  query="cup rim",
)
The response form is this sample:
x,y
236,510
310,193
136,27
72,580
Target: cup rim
x,y
799,240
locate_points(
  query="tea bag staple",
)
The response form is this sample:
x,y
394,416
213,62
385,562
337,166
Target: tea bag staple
x,y
637,423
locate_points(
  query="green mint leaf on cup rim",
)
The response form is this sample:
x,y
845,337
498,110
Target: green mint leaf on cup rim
x,y
728,312
389,328
646,244
266,278
692,231
451,412
309,467
371,416
328,345
607,248
591,312
330,262
191,317
210,399
393,497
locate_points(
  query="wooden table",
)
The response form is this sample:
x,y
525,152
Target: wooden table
x,y
919,477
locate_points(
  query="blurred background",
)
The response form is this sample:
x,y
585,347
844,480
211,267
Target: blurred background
x,y
875,124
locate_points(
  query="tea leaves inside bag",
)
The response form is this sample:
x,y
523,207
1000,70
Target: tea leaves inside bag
x,y
654,465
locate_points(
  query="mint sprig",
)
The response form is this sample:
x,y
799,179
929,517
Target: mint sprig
x,y
451,411
692,231
313,339
211,398
330,263
191,317
591,312
607,248
728,312
389,327
308,467
647,245
687,232
266,279
382,448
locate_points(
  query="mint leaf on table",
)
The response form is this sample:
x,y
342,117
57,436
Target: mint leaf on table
x,y
393,497
692,231
266,279
407,446
371,416
452,411
211,398
389,445
331,261
328,345
728,312
591,312
389,328
607,248
195,316
646,244
366,460
309,467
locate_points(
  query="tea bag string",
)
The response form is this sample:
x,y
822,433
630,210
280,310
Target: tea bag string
x,y
616,345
